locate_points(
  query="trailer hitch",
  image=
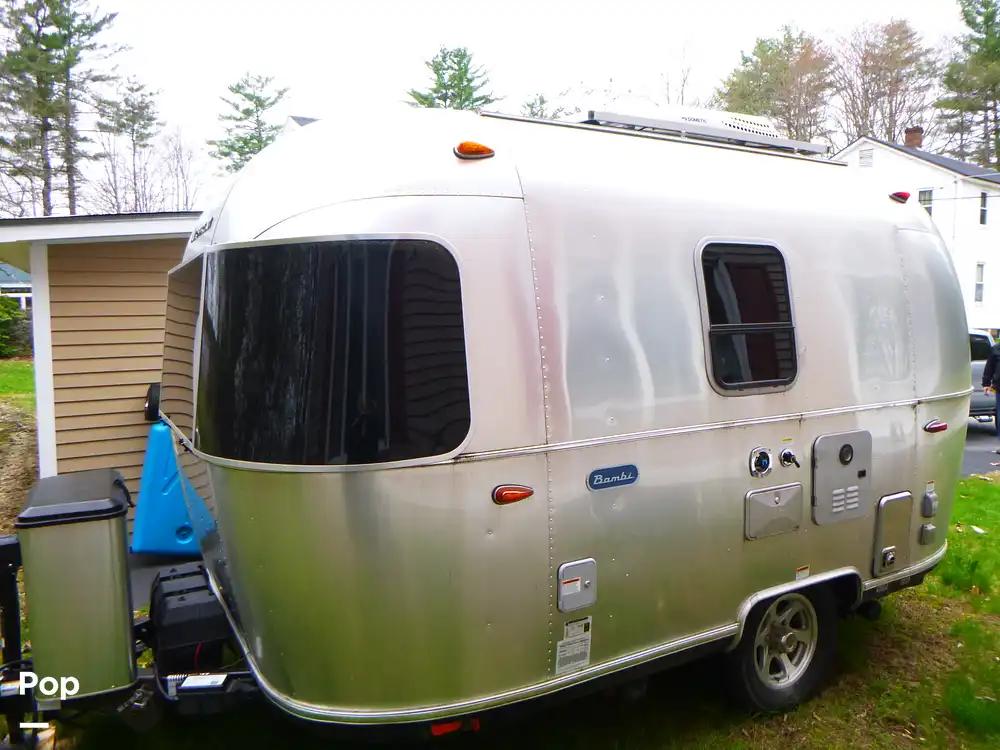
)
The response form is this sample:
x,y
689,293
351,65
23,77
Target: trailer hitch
x,y
12,698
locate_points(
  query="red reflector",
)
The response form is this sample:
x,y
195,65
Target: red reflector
x,y
900,197
511,493
445,727
935,425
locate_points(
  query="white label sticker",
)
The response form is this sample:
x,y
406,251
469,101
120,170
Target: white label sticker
x,y
802,572
573,651
570,586
577,627
195,681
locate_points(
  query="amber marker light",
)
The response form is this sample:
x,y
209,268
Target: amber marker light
x,y
473,150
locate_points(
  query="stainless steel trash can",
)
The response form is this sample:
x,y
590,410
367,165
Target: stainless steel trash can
x,y
74,551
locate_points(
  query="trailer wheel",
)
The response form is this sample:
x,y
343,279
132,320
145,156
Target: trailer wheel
x,y
787,650
151,409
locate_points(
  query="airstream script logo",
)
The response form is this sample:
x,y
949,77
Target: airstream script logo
x,y
199,231
614,476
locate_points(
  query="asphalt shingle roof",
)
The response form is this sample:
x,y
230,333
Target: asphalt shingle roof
x,y
11,275
955,165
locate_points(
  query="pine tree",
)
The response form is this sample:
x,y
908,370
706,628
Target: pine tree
x,y
30,102
77,30
972,84
457,84
249,131
963,114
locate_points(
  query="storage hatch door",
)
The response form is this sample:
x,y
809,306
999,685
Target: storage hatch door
x,y
892,533
842,468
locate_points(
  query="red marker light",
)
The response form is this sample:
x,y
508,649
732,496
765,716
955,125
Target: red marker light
x,y
900,197
935,425
445,727
505,494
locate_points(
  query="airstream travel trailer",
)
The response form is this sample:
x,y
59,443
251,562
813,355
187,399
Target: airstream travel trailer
x,y
483,408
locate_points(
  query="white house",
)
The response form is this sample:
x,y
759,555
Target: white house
x,y
964,201
15,283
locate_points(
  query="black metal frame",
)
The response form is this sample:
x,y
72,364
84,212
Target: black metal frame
x,y
13,707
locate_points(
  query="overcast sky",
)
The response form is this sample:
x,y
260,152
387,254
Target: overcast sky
x,y
342,58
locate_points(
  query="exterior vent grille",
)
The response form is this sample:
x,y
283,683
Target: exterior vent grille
x,y
866,157
750,124
851,498
837,501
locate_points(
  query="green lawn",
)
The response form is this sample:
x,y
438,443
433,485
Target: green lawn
x,y
17,383
927,674
971,570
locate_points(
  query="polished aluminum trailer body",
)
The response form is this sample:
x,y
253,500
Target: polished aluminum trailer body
x,y
396,592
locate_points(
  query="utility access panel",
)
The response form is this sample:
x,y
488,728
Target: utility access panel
x,y
842,469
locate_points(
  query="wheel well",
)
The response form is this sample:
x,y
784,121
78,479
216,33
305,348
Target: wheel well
x,y
847,590
845,585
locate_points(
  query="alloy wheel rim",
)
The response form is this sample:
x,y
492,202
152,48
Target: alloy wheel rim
x,y
785,642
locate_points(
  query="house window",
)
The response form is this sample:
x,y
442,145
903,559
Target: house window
x,y
926,197
750,333
982,208
980,268
865,157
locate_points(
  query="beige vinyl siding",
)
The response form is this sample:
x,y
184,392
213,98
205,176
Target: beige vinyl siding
x,y
177,394
108,302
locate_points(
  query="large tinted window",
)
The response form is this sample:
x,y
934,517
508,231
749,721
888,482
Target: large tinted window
x,y
750,319
979,346
332,353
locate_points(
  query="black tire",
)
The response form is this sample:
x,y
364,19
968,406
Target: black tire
x,y
746,684
151,410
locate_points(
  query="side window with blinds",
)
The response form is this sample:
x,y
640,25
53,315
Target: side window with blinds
x,y
750,332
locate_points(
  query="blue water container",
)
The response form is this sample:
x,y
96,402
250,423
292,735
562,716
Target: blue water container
x,y
163,525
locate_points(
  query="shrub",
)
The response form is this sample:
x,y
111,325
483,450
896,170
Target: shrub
x,y
10,316
21,337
